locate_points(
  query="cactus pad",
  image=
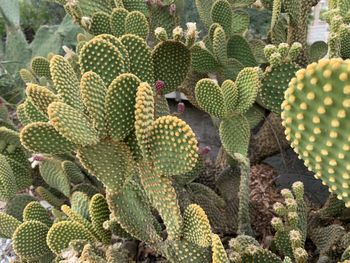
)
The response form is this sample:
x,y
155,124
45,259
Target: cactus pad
x,y
61,233
111,163
120,103
196,226
210,98
315,116
72,124
173,146
275,84
41,137
8,225
173,74
29,240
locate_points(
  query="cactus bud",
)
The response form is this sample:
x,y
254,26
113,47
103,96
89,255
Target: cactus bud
x,y
205,150
36,159
172,9
160,85
181,108
161,34
177,33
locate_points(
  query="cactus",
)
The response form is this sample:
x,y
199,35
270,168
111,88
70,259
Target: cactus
x,y
35,212
8,225
310,96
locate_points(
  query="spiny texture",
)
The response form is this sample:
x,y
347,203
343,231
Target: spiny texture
x,y
80,204
93,93
144,115
41,137
99,213
41,67
35,211
16,205
65,81
315,116
111,163
108,63
175,73
140,57
8,225
41,97
120,103
72,124
61,233
136,23
8,185
53,174
29,240
221,13
173,146
159,188
196,226
219,253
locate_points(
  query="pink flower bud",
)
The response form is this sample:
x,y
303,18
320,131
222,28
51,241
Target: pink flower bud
x,y
160,85
181,108
205,150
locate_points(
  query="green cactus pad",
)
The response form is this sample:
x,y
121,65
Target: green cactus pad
x,y
230,95
32,113
315,116
27,76
8,185
29,240
248,84
87,188
133,213
159,188
72,124
21,173
161,106
181,251
203,6
41,137
65,81
111,163
275,83
52,173
22,115
35,211
73,172
41,67
99,213
240,21
80,204
108,62
93,94
16,205
173,74
120,103
173,146
210,98
221,13
79,219
235,134
238,48
345,46
144,115
8,225
117,21
196,226
61,233
136,5
203,61
219,45
49,197
118,44
100,24
219,253
141,64
41,97
136,23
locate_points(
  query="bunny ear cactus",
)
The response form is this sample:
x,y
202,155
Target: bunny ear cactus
x,y
318,98
278,75
229,103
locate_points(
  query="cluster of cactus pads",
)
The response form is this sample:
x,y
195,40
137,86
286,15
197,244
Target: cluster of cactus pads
x,y
114,164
